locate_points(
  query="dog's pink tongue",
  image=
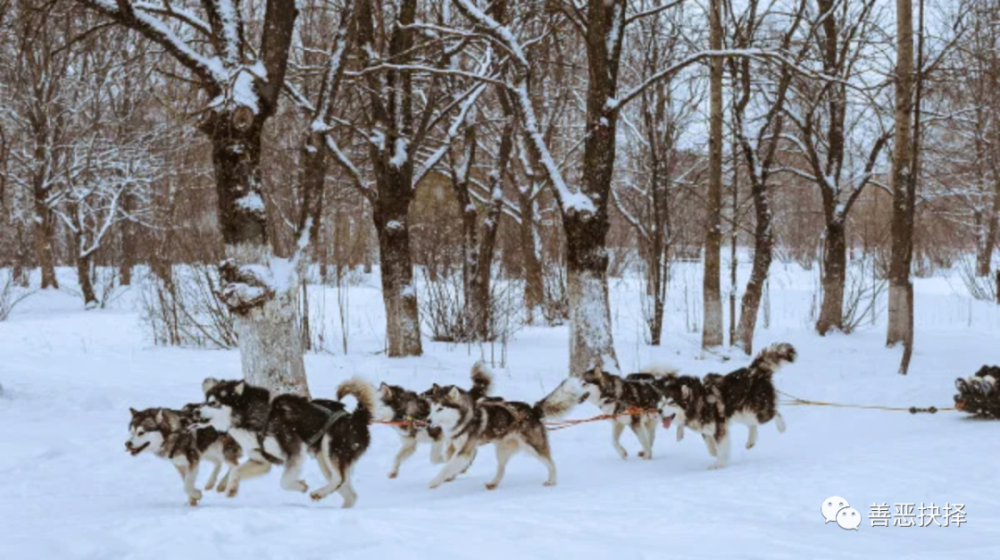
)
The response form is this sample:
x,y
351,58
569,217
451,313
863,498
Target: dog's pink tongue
x,y
666,423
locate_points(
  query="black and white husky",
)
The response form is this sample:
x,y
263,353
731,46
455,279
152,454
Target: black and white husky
x,y
282,430
615,395
746,396
398,404
469,422
168,434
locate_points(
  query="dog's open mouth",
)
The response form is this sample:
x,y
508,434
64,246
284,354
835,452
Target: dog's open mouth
x,y
137,450
667,420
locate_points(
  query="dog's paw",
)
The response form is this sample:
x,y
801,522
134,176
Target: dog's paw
x,y
491,486
549,483
435,483
194,497
221,487
232,491
300,486
750,444
715,466
210,485
316,496
642,454
192,502
393,474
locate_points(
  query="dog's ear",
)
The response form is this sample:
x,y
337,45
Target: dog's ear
x,y
208,384
386,390
686,391
454,394
159,416
238,389
134,412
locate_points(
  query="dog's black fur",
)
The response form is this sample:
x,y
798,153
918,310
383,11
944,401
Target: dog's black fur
x,y
277,431
979,395
746,395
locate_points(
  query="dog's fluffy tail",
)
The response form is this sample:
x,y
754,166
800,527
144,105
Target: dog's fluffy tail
x,y
482,380
661,370
770,359
562,399
364,392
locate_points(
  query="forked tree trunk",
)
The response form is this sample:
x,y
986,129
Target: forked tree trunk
x,y
831,313
712,330
261,296
391,213
762,254
900,287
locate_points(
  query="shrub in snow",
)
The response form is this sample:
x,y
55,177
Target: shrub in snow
x,y
10,294
184,309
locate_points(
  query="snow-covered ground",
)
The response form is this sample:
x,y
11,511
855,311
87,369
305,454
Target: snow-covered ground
x,y
69,490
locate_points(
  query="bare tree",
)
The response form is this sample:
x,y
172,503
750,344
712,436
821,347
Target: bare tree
x,y
758,114
242,82
840,137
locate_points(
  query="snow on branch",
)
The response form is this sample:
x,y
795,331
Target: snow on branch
x,y
571,200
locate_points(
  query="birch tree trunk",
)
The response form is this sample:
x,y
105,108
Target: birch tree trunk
x,y
900,287
712,330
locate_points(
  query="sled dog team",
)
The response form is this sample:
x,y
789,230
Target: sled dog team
x,y
238,418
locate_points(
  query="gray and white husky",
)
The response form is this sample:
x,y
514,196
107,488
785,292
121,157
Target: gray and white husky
x,y
168,434
398,404
615,395
283,430
746,396
510,426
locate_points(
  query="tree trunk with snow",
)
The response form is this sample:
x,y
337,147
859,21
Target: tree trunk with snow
x,y
712,330
44,231
85,280
900,287
534,282
391,212
831,313
259,290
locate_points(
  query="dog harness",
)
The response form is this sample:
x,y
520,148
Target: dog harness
x,y
332,417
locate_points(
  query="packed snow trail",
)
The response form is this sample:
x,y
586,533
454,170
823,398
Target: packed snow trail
x,y
71,491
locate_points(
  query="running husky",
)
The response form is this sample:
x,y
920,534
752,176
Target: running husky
x,y
616,395
167,434
282,430
397,404
709,406
509,425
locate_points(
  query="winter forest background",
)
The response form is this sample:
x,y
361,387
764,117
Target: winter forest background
x,y
506,157
398,188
